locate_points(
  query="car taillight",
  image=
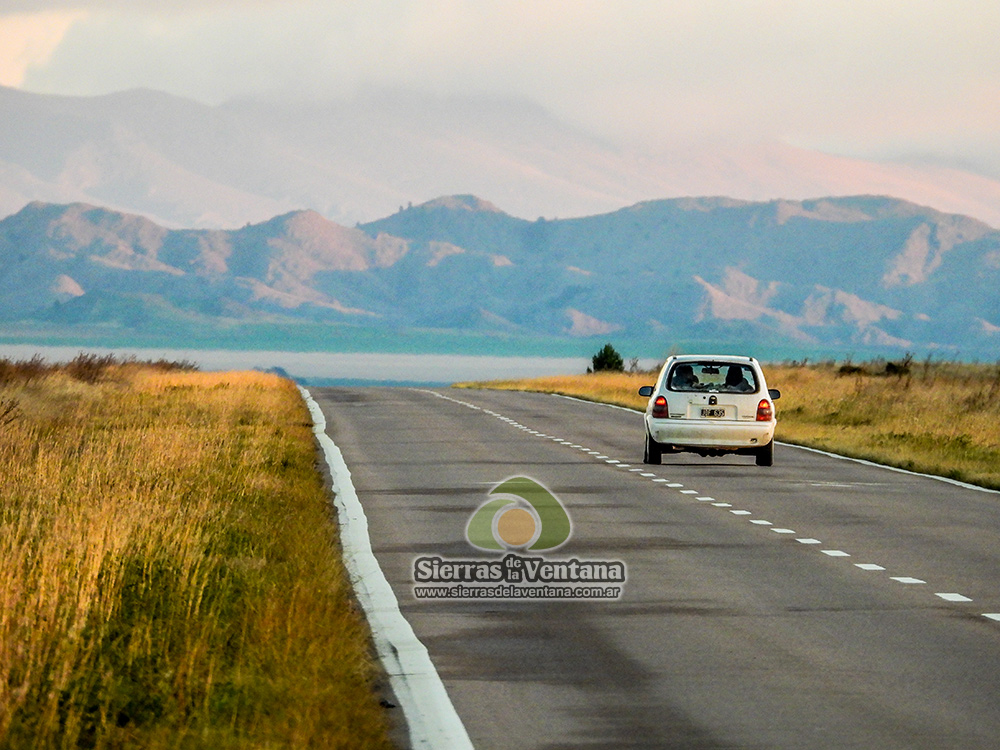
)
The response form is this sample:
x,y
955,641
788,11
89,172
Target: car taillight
x,y
765,411
660,407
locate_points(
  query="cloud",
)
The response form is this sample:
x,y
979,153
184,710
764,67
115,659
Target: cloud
x,y
28,39
9,7
854,76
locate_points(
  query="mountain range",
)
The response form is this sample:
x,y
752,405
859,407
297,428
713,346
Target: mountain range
x,y
184,164
844,274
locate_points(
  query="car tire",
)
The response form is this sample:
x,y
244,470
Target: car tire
x,y
765,455
653,453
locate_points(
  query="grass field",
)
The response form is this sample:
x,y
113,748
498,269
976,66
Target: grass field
x,y
940,418
171,576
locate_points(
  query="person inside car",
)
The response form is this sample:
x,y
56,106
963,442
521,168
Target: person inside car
x,y
683,378
735,380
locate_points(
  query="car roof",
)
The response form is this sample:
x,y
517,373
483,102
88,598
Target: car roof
x,y
711,358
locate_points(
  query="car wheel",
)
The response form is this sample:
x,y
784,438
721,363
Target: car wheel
x,y
765,455
652,454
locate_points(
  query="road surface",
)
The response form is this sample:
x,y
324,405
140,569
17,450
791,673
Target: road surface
x,y
818,603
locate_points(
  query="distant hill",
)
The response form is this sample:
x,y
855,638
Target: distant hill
x,y
184,164
839,272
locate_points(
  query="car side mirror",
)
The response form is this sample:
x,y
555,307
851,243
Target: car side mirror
x,y
774,393
646,390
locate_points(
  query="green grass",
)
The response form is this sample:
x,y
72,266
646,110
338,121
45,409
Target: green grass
x,y
171,574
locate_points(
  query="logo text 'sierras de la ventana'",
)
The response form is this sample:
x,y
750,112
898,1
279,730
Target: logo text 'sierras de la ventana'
x,y
520,519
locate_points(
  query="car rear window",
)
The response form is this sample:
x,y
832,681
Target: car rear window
x,y
723,377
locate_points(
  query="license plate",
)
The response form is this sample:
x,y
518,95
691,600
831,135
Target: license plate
x,y
713,413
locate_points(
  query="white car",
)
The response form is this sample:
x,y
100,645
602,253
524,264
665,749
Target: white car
x,y
711,405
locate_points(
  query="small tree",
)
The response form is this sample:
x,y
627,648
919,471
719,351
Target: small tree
x,y
607,359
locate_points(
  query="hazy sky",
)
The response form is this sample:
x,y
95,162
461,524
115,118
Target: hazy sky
x,y
861,77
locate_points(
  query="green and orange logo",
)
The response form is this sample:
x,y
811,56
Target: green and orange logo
x,y
521,514
519,519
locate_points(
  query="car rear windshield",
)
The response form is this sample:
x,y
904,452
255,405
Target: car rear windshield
x,y
721,377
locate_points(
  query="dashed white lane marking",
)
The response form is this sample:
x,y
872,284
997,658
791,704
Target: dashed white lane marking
x,y
947,596
954,597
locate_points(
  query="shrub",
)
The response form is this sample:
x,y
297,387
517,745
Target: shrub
x,y
607,359
89,368
24,371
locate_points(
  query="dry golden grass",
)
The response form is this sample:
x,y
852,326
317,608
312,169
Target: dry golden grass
x,y
171,576
939,417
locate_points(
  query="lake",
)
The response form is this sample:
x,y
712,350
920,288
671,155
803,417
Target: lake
x,y
322,368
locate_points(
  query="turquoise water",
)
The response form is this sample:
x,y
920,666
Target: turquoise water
x,y
321,368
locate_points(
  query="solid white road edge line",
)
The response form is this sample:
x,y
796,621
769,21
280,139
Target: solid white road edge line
x,y
948,480
430,715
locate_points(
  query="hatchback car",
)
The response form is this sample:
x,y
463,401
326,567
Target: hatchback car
x,y
711,405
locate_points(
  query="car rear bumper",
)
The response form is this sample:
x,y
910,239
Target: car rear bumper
x,y
685,433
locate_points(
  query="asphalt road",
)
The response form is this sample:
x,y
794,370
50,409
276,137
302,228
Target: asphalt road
x,y
747,620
